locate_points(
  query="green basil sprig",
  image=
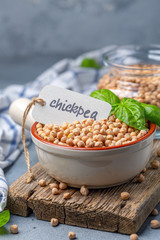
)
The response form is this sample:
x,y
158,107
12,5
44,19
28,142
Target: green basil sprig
x,y
4,217
129,111
90,63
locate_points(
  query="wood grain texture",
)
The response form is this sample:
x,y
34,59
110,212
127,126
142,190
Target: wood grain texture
x,y
102,209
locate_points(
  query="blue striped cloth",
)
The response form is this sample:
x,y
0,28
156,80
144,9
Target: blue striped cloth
x,y
66,74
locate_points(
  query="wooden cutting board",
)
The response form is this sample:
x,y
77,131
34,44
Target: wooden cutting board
x,y
102,209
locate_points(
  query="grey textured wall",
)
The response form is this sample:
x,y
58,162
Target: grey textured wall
x,y
69,27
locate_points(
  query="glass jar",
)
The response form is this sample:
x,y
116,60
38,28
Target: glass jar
x,y
134,72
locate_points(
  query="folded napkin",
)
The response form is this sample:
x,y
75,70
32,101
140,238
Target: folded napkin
x,y
66,74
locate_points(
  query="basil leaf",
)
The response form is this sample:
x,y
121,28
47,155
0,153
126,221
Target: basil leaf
x,y
152,113
131,112
4,217
90,63
106,95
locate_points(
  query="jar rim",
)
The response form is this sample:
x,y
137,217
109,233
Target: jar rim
x,y
151,52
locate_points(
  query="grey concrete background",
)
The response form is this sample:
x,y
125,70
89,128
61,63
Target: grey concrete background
x,y
34,34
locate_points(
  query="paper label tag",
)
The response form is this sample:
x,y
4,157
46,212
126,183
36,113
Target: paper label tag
x,y
63,105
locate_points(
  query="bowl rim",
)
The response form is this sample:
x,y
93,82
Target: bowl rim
x,y
35,134
129,47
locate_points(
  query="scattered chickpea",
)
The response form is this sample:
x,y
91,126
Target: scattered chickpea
x,y
71,235
63,185
55,191
84,191
53,185
155,164
42,183
54,222
154,212
155,224
125,195
14,229
67,195
140,178
134,237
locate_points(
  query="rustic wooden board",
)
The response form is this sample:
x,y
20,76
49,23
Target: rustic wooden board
x,y
102,209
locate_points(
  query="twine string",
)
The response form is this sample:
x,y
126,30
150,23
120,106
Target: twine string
x,y
42,103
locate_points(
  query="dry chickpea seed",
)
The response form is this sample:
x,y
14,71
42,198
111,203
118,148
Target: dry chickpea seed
x,y
63,186
84,191
71,235
155,164
67,196
154,212
134,236
14,229
125,195
155,224
42,183
140,178
54,222
55,191
53,185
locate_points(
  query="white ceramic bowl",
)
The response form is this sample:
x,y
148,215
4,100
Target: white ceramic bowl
x,y
93,167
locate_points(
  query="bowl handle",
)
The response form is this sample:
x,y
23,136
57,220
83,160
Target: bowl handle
x,y
17,109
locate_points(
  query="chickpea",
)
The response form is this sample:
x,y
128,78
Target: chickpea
x,y
84,139
96,132
97,127
39,125
67,196
109,137
81,144
89,143
14,229
125,195
76,131
84,191
107,142
59,135
89,121
134,237
154,212
54,222
155,164
98,144
63,185
116,131
69,141
140,178
63,139
53,133
56,141
55,191
66,132
155,224
71,235
118,143
42,183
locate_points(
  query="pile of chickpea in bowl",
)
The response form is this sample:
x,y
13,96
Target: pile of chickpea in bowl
x,y
90,133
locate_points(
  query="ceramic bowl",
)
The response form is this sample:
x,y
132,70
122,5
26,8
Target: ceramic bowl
x,y
93,167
